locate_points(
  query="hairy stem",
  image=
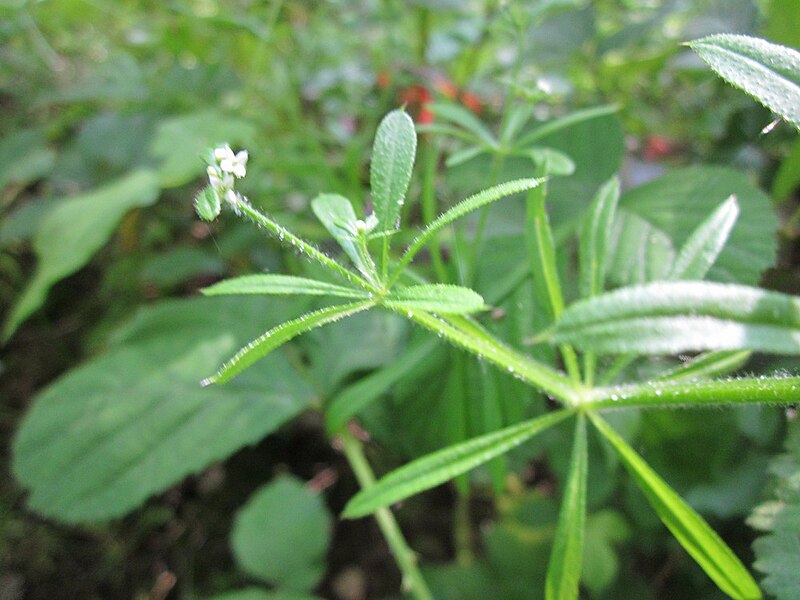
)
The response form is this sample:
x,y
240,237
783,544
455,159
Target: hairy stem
x,y
405,557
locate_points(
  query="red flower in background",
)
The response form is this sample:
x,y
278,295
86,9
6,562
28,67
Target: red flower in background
x,y
418,97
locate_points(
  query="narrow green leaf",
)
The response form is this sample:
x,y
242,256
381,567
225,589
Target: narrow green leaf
x,y
269,283
707,365
337,215
517,118
768,72
464,155
549,160
694,534
281,334
390,171
439,298
464,207
701,250
594,240
434,469
680,393
681,316
569,120
358,396
464,118
566,559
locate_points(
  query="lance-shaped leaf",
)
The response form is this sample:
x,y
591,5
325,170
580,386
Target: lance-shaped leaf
x,y
688,527
594,239
281,334
434,469
464,118
390,171
440,298
566,559
701,250
569,120
464,207
681,316
336,213
707,365
276,284
768,72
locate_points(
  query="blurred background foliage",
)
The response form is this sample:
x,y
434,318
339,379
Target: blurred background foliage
x,y
106,109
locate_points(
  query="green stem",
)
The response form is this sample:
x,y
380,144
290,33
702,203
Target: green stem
x,y
405,557
243,207
462,530
469,335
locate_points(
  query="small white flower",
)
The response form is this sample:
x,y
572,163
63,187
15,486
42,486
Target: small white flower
x,y
232,197
230,162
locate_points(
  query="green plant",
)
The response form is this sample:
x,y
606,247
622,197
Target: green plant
x,y
666,317
151,379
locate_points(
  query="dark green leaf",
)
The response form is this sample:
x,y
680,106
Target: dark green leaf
x,y
134,421
73,231
281,535
657,218
358,396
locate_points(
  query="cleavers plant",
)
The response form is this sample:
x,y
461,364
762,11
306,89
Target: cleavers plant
x,y
723,323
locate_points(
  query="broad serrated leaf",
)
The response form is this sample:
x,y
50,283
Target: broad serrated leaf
x,y
281,535
465,207
434,469
336,213
134,421
439,298
778,518
71,233
594,239
276,284
689,528
682,316
390,170
358,396
279,335
768,72
701,250
657,218
566,559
